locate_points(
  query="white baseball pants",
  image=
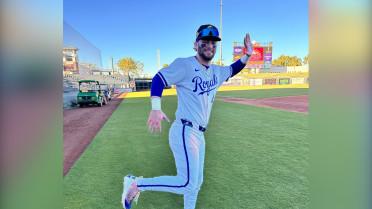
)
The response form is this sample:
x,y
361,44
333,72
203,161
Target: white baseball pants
x,y
188,146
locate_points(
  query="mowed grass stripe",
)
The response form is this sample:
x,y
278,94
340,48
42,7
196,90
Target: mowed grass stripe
x,y
255,158
170,92
263,93
263,153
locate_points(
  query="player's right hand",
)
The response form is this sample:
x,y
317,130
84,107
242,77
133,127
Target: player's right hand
x,y
248,45
155,120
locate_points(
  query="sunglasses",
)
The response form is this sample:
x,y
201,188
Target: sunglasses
x,y
208,32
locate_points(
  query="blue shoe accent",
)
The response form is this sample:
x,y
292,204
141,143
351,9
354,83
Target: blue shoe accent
x,y
128,181
127,206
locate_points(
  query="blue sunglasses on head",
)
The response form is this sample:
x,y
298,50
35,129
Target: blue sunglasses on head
x,y
208,32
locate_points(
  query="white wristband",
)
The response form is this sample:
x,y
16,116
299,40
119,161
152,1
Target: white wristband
x,y
156,104
244,59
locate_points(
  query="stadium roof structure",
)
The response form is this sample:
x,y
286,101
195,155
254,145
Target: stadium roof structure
x,y
70,48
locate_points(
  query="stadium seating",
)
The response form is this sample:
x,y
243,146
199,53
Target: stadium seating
x,y
118,80
69,86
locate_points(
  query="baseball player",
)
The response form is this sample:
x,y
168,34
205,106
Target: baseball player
x,y
196,82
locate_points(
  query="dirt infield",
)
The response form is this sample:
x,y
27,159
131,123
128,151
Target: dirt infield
x,y
80,126
298,103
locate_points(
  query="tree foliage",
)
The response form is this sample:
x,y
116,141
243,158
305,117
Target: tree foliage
x,y
306,60
130,67
219,63
284,60
139,68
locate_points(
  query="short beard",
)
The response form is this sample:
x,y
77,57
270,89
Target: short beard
x,y
200,52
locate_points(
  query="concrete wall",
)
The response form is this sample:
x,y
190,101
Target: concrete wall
x,y
288,69
297,69
275,70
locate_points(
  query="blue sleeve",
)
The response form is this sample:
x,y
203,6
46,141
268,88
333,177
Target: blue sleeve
x,y
157,86
237,67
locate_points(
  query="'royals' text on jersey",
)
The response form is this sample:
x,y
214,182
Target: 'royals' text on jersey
x,y
196,88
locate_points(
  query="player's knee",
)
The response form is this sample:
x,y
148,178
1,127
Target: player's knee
x,y
186,183
197,185
190,188
193,184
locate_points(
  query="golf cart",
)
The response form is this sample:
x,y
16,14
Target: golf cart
x,y
90,93
107,90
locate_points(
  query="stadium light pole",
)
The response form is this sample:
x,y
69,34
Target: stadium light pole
x,y
112,65
158,59
221,36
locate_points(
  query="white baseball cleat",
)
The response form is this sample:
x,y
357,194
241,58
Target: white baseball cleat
x,y
130,191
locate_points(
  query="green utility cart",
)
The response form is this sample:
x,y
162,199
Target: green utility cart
x,y
90,93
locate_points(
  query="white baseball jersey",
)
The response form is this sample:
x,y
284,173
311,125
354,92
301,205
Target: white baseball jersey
x,y
196,88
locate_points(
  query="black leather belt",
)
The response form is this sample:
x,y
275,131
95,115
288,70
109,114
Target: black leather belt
x,y
188,123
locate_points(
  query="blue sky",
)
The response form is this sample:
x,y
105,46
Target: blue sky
x,y
123,28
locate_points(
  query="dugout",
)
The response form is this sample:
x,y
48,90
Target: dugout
x,y
143,84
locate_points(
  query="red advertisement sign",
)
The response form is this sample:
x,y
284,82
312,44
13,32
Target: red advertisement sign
x,y
258,54
270,81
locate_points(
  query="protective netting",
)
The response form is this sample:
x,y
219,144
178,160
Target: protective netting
x,y
88,53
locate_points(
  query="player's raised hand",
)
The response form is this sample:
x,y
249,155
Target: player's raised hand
x,y
248,45
155,118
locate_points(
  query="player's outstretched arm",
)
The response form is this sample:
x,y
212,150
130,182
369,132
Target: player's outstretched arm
x,y
156,115
240,64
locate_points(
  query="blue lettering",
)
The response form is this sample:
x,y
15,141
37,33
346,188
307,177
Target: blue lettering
x,y
198,81
205,86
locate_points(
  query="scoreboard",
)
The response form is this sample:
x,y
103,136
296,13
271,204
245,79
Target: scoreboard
x,y
261,57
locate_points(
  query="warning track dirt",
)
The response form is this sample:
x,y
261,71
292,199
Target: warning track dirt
x,y
298,103
80,126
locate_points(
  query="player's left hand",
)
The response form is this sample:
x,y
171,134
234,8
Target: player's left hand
x,y
248,45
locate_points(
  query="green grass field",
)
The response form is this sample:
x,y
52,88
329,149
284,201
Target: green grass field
x,y
263,93
255,157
